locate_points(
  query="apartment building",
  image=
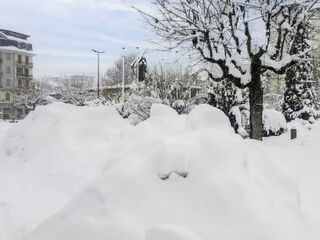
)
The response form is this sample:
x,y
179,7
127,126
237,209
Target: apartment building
x,y
16,67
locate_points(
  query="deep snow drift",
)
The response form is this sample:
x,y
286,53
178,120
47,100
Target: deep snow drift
x,y
170,177
48,158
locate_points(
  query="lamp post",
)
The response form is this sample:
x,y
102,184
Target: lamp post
x,y
98,77
138,60
123,73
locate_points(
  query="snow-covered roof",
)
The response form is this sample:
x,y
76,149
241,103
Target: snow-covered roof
x,y
15,49
14,34
10,40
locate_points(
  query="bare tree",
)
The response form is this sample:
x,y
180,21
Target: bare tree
x,y
243,39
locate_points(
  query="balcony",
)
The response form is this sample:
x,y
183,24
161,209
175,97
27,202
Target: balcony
x,y
24,64
24,76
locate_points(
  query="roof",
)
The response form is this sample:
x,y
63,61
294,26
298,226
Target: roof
x,y
14,34
10,40
15,49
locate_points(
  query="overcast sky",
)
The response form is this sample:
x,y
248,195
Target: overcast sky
x,y
64,31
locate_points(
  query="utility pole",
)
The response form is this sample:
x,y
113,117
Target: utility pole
x,y
98,77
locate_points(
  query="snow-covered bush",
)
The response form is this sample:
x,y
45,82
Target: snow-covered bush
x,y
233,102
186,106
274,123
137,108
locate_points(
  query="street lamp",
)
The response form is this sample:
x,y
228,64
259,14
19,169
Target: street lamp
x,y
123,62
98,53
138,59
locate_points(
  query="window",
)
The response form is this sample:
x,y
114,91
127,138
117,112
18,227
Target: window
x,y
26,71
8,83
19,71
19,82
8,70
7,96
27,60
19,59
8,56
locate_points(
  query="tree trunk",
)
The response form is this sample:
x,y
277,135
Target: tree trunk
x,y
256,104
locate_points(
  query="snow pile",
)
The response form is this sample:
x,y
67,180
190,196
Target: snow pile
x,y
274,123
48,158
170,232
206,117
194,173
171,177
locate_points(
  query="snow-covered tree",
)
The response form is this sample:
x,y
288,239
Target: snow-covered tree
x,y
243,39
75,92
113,75
29,98
300,95
171,84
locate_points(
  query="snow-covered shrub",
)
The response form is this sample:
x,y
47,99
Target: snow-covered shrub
x,y
274,123
186,106
136,108
233,102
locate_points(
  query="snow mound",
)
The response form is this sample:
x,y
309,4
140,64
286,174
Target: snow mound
x,y
274,122
205,116
49,157
162,111
170,232
202,178
144,182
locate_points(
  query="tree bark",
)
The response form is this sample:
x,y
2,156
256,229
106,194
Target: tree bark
x,y
256,103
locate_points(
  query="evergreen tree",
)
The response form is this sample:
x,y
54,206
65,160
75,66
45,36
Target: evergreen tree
x,y
300,95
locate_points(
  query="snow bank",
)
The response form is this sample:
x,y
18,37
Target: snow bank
x,y
191,172
170,232
50,157
162,111
181,177
205,116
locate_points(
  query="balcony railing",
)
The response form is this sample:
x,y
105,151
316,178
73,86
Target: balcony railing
x,y
28,76
24,64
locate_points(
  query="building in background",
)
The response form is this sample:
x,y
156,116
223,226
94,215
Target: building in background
x,y
15,71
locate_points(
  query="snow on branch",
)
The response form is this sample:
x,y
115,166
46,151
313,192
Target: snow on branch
x,y
235,35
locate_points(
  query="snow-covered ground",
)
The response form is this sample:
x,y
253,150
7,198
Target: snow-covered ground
x,y
81,173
